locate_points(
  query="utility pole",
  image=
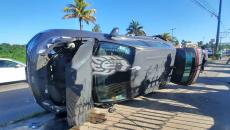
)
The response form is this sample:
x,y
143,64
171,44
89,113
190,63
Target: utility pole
x,y
218,28
172,30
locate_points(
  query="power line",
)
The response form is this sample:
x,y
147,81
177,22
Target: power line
x,y
206,3
172,30
207,7
222,25
198,3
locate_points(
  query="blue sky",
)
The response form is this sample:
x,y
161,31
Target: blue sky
x,y
21,19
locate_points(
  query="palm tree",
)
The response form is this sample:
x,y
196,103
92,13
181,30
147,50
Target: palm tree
x,y
135,29
96,28
78,10
167,36
175,41
185,42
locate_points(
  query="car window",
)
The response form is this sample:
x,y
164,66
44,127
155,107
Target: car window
x,y
159,45
116,49
107,86
7,64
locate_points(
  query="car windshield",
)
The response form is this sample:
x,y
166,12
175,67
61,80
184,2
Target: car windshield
x,y
7,64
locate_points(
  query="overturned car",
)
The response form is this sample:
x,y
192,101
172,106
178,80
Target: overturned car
x,y
72,71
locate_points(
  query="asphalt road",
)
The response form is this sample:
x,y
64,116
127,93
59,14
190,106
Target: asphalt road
x,y
16,102
204,105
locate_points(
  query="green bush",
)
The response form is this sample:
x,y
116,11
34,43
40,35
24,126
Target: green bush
x,y
16,52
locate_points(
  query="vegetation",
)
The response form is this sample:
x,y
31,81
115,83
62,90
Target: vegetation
x,y
16,52
200,43
78,10
167,36
225,46
96,28
135,29
175,41
184,43
221,46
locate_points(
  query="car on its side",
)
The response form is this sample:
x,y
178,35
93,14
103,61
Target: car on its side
x,y
11,71
72,71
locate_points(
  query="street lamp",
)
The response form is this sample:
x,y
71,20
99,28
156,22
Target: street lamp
x,y
172,29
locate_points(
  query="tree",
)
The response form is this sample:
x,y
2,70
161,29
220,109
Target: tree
x,y
175,41
13,51
167,36
200,43
96,28
78,10
135,29
184,43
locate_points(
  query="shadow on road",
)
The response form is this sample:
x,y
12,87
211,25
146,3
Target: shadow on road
x,y
198,107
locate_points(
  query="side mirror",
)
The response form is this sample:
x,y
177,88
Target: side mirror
x,y
18,66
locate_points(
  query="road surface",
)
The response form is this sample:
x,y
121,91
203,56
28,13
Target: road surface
x,y
16,102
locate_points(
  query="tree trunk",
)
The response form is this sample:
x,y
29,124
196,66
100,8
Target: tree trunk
x,y
81,26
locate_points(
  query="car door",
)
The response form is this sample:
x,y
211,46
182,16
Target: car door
x,y
19,71
11,71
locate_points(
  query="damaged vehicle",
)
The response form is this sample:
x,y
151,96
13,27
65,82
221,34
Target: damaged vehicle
x,y
72,71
